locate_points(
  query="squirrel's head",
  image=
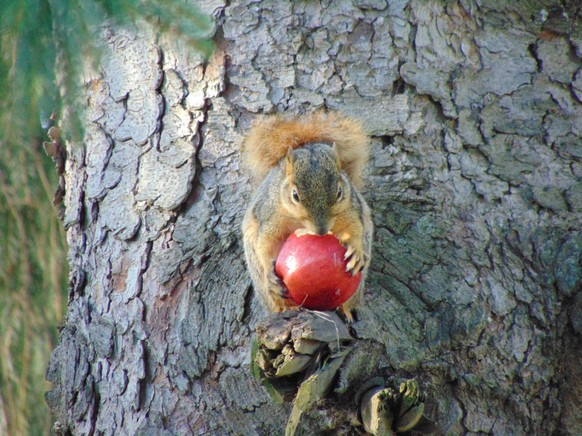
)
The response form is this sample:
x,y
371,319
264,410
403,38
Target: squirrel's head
x,y
315,189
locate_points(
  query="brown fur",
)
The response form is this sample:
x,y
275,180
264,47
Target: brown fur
x,y
269,140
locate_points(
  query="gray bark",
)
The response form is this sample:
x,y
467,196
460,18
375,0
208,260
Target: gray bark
x,y
475,184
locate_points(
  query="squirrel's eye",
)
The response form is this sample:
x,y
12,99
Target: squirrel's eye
x,y
340,192
295,195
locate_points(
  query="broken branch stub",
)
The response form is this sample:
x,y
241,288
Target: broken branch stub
x,y
385,409
310,358
291,342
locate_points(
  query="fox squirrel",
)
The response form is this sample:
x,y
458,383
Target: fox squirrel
x,y
310,169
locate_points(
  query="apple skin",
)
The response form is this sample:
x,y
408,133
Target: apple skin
x,y
313,270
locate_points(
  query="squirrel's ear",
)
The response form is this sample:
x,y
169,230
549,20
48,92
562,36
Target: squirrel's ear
x,y
336,156
290,161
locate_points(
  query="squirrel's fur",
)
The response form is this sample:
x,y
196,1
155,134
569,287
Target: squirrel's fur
x,y
269,140
310,168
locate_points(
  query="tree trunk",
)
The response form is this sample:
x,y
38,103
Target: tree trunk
x,y
475,185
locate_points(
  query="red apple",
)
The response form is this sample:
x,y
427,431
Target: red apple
x,y
313,270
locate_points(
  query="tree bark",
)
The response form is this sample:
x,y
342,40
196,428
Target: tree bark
x,y
475,112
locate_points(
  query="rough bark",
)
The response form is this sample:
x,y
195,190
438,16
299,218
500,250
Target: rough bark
x,y
475,185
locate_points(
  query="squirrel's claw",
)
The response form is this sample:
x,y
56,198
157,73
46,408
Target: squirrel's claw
x,y
356,260
350,250
355,265
279,292
347,314
275,280
276,284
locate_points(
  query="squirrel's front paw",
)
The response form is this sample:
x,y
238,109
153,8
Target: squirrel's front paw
x,y
278,296
355,257
276,286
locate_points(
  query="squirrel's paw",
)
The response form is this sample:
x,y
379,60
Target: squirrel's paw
x,y
347,313
355,258
276,286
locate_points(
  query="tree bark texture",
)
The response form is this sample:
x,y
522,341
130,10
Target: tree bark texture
x,y
475,112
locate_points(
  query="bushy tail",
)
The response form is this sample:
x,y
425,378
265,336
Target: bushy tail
x,y
269,139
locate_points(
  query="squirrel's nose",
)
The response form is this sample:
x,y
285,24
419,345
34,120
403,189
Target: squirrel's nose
x,y
318,225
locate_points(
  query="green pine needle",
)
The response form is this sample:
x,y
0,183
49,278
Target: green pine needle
x,y
43,46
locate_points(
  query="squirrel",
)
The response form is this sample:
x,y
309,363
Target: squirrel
x,y
310,169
